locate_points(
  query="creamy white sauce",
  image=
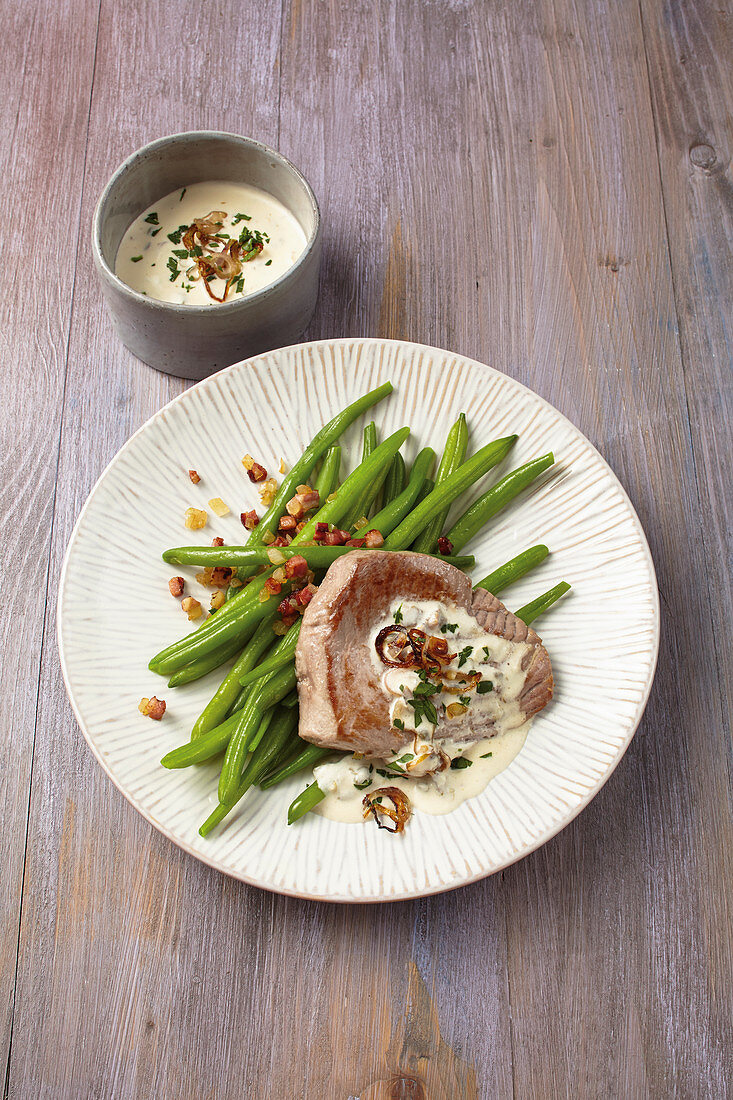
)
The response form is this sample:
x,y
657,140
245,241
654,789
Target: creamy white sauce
x,y
437,794
144,253
496,712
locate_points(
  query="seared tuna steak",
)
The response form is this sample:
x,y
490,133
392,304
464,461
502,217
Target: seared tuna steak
x,y
369,680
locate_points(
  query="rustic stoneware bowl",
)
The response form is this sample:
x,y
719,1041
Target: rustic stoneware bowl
x,y
196,341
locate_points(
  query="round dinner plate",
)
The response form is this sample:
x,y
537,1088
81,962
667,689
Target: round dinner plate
x,y
602,637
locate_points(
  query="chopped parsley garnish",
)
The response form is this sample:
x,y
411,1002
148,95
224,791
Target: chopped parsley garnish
x,y
241,218
364,783
267,263
183,192
155,232
427,687
452,627
461,762
486,652
240,285
176,235
398,616
465,699
483,686
424,708
135,259
398,724
464,655
173,268
405,759
486,755
182,253
152,218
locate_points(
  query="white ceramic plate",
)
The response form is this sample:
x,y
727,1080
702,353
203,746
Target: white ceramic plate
x,y
603,655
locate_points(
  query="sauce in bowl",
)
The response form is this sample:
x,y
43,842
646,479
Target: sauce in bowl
x,y
265,238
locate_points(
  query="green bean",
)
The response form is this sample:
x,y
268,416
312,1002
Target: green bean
x,y
306,757
226,695
395,510
270,743
428,486
328,478
210,744
267,692
359,507
444,494
395,481
283,654
363,476
512,570
453,455
320,443
197,669
304,802
537,607
290,700
497,497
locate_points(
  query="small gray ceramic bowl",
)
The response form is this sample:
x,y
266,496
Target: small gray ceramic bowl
x,y
194,341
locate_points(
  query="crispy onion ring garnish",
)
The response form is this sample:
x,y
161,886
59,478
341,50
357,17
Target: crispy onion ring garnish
x,y
399,815
461,683
205,229
395,640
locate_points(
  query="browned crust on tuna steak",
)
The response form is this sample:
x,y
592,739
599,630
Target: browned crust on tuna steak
x,y
342,704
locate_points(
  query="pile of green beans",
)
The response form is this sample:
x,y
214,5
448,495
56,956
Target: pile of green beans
x,y
252,717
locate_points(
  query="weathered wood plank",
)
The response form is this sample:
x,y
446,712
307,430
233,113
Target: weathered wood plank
x,y
45,84
489,182
105,973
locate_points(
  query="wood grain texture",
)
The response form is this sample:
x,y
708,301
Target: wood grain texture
x,y
45,84
513,182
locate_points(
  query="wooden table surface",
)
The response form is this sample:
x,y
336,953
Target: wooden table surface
x,y
544,186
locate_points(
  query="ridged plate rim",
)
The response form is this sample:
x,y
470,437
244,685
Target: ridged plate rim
x,y
280,356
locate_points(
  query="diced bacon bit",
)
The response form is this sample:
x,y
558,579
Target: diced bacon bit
x,y
257,472
217,600
195,519
296,566
303,502
268,538
373,539
305,595
288,607
361,523
250,520
267,492
192,608
283,540
288,523
272,587
356,543
445,546
283,466
218,506
320,532
221,576
279,575
337,537
276,558
194,477
300,526
152,708
217,541
176,586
